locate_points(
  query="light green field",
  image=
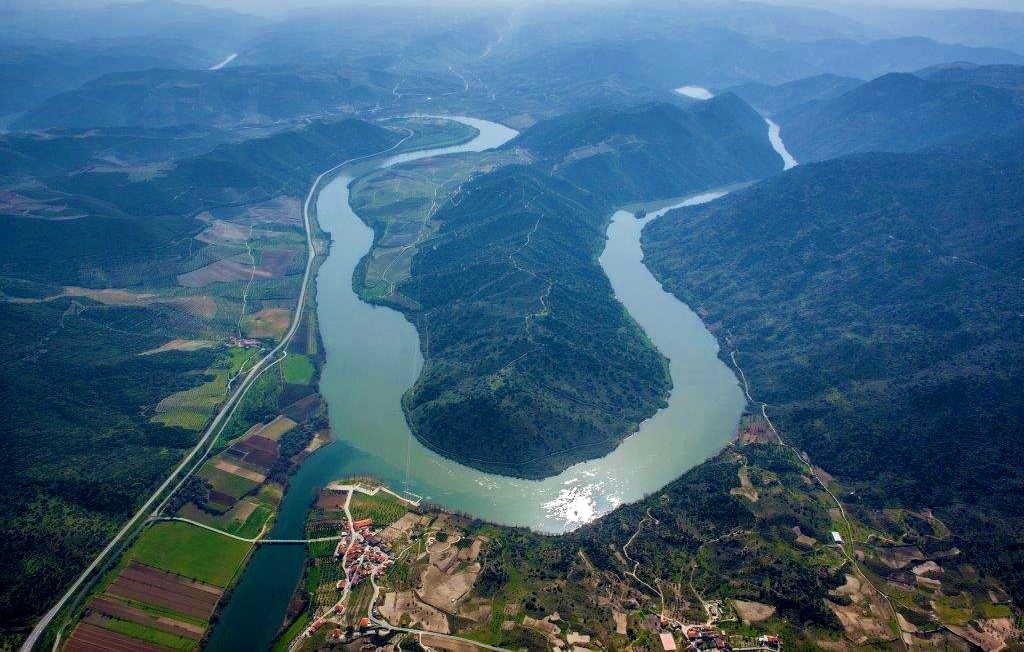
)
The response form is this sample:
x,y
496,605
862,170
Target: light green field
x,y
191,551
383,508
297,369
233,485
183,418
149,634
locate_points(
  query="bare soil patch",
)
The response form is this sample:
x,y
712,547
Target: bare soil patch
x,y
90,638
753,612
268,324
746,488
200,306
279,210
444,590
222,232
276,262
152,586
276,428
404,603
866,619
225,270
242,472
181,345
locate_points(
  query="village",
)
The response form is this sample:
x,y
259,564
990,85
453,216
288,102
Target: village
x,y
399,572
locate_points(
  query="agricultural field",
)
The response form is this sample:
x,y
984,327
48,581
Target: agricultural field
x,y
297,370
192,408
191,551
163,593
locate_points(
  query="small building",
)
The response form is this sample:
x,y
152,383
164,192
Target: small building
x,y
668,642
837,538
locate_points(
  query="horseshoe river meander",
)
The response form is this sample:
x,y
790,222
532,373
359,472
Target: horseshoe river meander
x,y
373,357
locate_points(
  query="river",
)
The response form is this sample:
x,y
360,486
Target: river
x,y
373,356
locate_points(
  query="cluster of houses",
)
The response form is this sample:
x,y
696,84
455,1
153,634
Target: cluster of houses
x,y
361,558
364,557
706,637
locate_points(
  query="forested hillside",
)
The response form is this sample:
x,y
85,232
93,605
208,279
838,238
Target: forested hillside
x,y
775,99
531,364
874,303
898,113
655,150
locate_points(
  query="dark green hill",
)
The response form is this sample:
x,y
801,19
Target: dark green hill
x,y
1001,76
530,362
32,70
61,151
775,99
897,113
656,150
874,302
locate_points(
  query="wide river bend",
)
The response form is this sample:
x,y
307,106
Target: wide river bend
x,y
373,357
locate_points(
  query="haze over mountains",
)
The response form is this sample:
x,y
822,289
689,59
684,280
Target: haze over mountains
x,y
159,241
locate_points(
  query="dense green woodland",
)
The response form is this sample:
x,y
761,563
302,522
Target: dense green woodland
x,y
530,360
874,303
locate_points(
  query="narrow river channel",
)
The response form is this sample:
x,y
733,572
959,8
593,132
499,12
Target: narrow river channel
x,y
373,356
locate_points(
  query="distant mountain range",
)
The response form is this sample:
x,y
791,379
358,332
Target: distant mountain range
x,y
234,96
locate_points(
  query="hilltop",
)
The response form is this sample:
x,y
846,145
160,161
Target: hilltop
x,y
898,112
655,150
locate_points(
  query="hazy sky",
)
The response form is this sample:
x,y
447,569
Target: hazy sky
x,y
280,6
1008,5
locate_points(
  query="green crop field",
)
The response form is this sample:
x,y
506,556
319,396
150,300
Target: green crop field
x,y
229,483
382,508
150,635
297,369
191,551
